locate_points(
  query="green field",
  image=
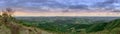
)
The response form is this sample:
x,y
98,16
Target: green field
x,y
74,25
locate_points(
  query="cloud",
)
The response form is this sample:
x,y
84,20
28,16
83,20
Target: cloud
x,y
108,4
105,3
2,3
78,7
49,4
109,1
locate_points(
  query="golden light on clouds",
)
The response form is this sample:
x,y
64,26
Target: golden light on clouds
x,y
23,12
66,14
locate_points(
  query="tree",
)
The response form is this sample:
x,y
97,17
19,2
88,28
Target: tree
x,y
7,20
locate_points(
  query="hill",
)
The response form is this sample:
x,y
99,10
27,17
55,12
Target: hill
x,y
74,25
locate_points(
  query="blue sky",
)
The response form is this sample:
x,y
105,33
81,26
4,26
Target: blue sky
x,y
70,4
63,7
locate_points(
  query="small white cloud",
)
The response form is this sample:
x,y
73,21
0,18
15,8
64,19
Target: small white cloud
x,y
116,4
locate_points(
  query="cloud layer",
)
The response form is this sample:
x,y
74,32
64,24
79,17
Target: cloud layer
x,y
63,4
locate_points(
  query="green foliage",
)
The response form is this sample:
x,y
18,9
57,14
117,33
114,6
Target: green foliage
x,y
113,24
96,27
68,25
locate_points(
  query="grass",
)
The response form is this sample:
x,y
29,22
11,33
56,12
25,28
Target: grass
x,y
66,26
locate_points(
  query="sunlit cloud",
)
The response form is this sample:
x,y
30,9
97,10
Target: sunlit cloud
x,y
62,7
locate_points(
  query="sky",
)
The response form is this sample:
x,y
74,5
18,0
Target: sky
x,y
62,7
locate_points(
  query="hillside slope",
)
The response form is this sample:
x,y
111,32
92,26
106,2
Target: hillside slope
x,y
23,30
